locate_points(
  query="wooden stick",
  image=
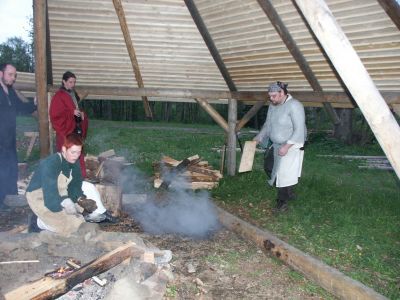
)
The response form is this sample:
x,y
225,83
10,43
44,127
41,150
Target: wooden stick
x,y
99,169
50,288
18,262
100,282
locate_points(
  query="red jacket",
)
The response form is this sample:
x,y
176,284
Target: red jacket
x,y
62,115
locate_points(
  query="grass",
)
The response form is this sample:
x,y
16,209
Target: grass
x,y
346,216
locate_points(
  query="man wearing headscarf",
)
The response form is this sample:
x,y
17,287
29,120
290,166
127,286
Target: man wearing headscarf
x,y
285,127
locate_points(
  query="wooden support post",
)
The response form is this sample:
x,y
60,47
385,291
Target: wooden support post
x,y
232,119
355,76
392,8
213,113
39,13
132,55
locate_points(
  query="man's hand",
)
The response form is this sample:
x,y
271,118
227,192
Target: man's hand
x,y
283,150
88,205
69,206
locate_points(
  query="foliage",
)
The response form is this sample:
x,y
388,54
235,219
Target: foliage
x,y
17,52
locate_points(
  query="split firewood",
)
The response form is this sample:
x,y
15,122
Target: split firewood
x,y
198,174
99,169
213,173
100,282
178,169
203,185
18,262
50,288
106,154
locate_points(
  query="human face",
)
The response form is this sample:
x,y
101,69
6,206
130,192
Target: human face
x,y
277,97
9,76
71,154
70,83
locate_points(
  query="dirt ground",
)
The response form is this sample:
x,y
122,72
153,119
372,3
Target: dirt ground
x,y
224,266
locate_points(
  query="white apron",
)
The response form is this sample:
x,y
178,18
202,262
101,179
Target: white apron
x,y
287,169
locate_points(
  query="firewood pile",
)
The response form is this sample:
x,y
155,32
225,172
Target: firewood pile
x,y
192,172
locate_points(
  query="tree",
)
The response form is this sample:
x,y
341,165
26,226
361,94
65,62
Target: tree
x,y
17,52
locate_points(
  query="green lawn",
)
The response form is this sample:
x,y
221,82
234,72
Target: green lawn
x,y
346,216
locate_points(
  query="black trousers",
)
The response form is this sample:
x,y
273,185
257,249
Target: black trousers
x,y
284,193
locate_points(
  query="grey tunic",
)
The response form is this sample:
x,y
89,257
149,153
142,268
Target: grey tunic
x,y
285,124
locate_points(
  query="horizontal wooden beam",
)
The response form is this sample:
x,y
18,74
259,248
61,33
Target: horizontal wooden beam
x,y
340,99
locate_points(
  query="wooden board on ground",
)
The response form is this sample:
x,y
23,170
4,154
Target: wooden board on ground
x,y
246,163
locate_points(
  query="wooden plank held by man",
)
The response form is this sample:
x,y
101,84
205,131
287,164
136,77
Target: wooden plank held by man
x,y
246,162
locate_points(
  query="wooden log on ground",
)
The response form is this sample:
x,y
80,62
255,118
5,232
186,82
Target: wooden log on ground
x,y
327,277
50,288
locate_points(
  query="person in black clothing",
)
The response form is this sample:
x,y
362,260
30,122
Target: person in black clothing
x,y
10,104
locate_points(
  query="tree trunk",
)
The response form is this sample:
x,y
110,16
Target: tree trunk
x,y
343,130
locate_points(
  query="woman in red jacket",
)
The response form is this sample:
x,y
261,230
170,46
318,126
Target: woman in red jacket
x,y
65,115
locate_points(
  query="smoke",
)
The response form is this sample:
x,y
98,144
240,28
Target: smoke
x,y
178,210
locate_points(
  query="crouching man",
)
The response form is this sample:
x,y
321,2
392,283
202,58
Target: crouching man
x,y
59,197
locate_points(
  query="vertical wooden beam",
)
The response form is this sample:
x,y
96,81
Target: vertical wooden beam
x,y
39,16
294,50
132,55
392,8
355,76
50,80
232,119
210,44
213,113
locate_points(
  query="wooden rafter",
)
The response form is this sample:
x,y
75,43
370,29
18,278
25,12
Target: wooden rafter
x,y
132,55
210,44
353,73
294,50
392,8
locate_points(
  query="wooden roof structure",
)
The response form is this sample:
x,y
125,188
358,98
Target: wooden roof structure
x,y
225,50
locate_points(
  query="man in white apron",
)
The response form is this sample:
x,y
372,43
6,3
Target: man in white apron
x,y
285,127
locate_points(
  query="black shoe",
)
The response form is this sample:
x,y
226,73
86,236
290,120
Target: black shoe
x,y
32,222
109,218
281,207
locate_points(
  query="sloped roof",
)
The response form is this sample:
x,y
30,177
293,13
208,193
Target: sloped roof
x,y
86,38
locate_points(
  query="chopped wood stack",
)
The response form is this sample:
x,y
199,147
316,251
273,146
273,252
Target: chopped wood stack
x,y
196,173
